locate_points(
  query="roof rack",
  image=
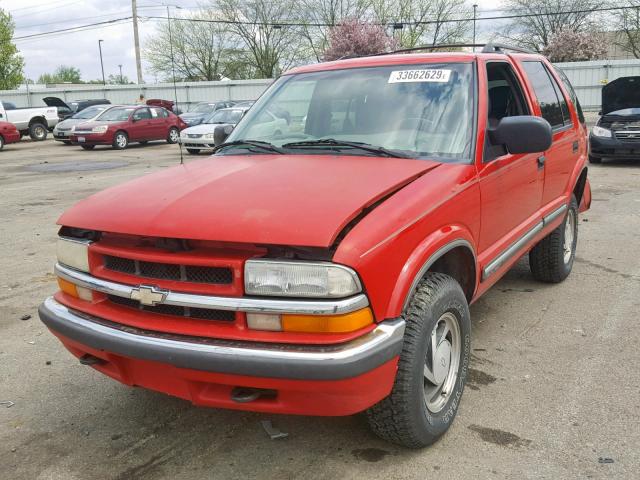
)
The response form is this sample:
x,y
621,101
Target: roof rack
x,y
486,48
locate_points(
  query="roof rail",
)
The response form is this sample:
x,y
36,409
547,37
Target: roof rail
x,y
486,48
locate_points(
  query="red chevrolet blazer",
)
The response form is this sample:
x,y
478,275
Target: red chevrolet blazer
x,y
328,268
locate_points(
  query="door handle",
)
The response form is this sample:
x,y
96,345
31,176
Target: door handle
x,y
575,147
541,160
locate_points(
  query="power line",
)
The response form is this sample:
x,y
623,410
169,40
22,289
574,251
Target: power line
x,y
106,22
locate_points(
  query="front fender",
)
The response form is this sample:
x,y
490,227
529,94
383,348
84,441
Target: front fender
x,y
422,258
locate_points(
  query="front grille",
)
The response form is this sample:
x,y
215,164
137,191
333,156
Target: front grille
x,y
170,271
628,135
194,135
199,313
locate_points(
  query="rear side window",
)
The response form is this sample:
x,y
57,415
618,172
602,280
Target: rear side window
x,y
572,94
546,93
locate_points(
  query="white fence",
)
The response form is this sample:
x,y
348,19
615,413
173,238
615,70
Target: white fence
x,y
586,77
188,92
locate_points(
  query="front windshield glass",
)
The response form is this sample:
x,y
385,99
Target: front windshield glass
x,y
116,115
419,110
203,108
89,112
225,116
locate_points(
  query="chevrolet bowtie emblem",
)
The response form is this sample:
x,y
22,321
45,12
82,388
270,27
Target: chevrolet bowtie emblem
x,y
149,295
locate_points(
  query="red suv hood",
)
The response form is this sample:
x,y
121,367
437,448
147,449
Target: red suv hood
x,y
300,200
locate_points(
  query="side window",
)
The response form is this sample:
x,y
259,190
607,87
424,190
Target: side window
x,y
505,99
572,94
545,93
142,114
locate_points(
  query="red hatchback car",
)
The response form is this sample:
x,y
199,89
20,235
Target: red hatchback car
x,y
8,134
120,126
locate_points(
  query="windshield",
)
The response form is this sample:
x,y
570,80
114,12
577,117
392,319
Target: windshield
x,y
225,116
420,110
116,115
204,108
90,112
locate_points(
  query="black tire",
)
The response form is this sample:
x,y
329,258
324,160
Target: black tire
x,y
403,417
38,131
117,144
547,259
88,147
193,151
593,159
173,136
1,142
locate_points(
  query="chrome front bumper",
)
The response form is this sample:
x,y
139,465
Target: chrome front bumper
x,y
301,362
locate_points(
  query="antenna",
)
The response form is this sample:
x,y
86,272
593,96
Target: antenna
x,y
173,75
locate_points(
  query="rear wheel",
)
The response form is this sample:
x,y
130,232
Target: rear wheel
x,y
173,136
1,142
432,369
88,147
120,140
193,151
552,258
38,131
593,159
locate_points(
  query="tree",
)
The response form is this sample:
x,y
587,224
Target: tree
x,y
316,14
424,22
11,63
267,47
62,74
570,46
201,50
536,30
354,38
117,80
627,22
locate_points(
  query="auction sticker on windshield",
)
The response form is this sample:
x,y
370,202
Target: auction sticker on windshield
x,y
403,76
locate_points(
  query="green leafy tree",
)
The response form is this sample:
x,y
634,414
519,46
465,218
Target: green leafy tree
x,y
62,74
11,63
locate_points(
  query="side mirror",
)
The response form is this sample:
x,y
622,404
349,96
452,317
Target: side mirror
x,y
522,134
220,134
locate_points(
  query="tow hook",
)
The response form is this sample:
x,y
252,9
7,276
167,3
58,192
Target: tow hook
x,y
88,359
246,395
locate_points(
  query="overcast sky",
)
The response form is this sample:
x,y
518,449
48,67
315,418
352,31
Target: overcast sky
x,y
80,49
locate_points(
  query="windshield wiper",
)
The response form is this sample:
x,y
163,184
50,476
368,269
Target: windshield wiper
x,y
332,142
252,143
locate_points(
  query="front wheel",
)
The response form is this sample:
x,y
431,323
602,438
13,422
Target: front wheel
x,y
120,141
38,132
551,260
432,369
174,135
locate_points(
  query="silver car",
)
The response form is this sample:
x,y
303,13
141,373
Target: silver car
x,y
200,137
64,129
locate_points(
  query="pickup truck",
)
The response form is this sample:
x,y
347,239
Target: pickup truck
x,y
328,269
33,121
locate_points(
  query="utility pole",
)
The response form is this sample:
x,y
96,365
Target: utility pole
x,y
136,40
121,81
101,64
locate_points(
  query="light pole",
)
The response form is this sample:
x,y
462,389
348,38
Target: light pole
x,y
101,64
121,80
475,10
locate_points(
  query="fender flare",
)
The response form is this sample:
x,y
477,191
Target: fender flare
x,y
422,258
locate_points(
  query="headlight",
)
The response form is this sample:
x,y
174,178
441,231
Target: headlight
x,y
601,132
100,129
299,279
209,136
73,253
